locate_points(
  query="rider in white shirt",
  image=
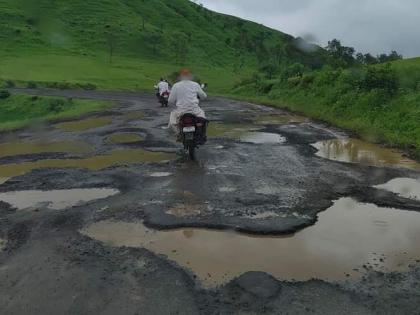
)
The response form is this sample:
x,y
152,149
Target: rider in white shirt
x,y
186,95
162,87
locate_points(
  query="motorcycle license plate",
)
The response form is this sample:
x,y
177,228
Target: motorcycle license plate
x,y
189,129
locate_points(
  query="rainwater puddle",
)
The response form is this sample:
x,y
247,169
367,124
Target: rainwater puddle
x,y
25,148
160,174
279,119
54,199
85,124
120,138
405,187
358,151
347,237
96,163
229,131
262,137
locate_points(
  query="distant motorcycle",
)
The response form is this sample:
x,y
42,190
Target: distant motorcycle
x,y
163,99
193,133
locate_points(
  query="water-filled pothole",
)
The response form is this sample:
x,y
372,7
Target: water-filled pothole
x,y
99,162
160,174
405,187
54,199
121,138
358,151
262,137
348,238
25,148
85,124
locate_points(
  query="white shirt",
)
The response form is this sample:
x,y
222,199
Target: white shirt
x,y
185,95
163,87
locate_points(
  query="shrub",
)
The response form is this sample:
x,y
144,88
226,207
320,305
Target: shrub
x,y
9,84
31,85
4,94
384,78
56,105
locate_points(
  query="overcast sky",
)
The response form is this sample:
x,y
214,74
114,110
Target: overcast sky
x,y
368,25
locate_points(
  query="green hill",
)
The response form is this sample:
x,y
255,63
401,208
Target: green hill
x,y
128,44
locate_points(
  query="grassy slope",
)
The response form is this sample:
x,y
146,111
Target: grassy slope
x,y
67,41
394,121
21,110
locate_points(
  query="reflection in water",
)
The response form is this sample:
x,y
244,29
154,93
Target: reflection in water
x,y
405,187
54,199
347,236
99,162
358,151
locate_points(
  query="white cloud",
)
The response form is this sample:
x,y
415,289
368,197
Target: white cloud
x,y
369,25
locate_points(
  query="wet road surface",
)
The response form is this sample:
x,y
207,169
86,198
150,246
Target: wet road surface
x,y
114,221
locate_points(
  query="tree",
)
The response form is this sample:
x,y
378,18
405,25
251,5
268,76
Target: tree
x,y
342,54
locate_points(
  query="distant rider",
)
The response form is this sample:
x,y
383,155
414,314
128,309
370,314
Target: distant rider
x,y
186,95
162,88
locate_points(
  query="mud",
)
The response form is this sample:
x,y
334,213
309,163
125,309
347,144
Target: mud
x,y
54,199
358,151
248,191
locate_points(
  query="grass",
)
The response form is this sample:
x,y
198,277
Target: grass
x,y
19,111
341,100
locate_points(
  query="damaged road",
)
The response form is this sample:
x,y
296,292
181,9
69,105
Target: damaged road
x,y
98,243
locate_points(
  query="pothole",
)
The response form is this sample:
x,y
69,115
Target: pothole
x,y
262,138
348,239
405,187
85,124
99,162
229,131
182,210
121,138
160,174
279,119
54,199
25,148
358,151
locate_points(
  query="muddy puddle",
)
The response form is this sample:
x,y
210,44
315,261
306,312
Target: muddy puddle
x,y
230,131
279,119
121,138
261,138
358,151
26,148
85,124
160,174
54,199
243,133
99,162
405,187
348,239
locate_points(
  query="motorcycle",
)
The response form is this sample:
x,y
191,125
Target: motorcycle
x,y
193,133
164,99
